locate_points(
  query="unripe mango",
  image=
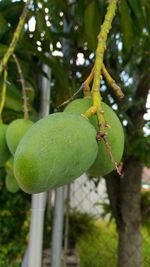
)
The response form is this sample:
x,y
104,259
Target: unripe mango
x,y
56,150
15,132
11,183
115,134
4,151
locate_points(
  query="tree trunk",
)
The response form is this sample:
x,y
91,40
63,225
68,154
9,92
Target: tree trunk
x,y
130,239
124,194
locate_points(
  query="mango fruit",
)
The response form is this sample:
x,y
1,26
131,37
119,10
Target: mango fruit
x,y
56,150
4,151
10,180
115,134
11,183
15,132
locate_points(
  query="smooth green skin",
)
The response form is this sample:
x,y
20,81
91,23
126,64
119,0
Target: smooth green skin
x,y
15,132
4,151
55,151
102,164
11,183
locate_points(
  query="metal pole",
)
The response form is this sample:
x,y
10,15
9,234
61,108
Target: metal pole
x,y
66,224
25,258
57,228
39,200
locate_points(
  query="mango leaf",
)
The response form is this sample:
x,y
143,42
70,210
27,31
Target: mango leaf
x,y
92,24
58,71
62,4
41,25
10,11
3,49
61,76
147,12
126,25
3,25
138,15
13,97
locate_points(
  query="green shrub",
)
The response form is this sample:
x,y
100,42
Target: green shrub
x,y
14,225
146,246
79,225
99,247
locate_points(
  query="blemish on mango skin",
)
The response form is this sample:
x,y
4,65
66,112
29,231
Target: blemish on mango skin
x,y
115,135
56,150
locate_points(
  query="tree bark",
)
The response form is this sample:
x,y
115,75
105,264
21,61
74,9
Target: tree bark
x,y
124,195
130,239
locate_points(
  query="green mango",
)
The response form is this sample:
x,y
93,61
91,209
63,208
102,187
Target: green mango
x,y
56,150
10,180
15,132
4,151
11,183
115,134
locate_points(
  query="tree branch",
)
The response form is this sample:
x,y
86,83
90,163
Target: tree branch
x,y
3,98
25,99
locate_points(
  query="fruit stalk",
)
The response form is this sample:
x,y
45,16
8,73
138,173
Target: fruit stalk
x,y
25,99
102,37
98,66
3,97
86,84
117,90
15,38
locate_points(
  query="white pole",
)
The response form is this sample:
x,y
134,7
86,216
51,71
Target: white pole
x,y
57,228
39,200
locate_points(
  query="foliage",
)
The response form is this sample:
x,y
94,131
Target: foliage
x,y
145,209
14,225
79,224
99,247
146,245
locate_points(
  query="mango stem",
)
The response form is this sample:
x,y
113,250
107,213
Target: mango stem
x,y
116,88
86,84
3,96
96,76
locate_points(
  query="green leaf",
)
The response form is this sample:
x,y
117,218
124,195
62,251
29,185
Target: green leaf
x,y
126,25
41,25
61,76
147,12
3,25
11,11
3,49
62,4
138,15
14,99
92,24
58,71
